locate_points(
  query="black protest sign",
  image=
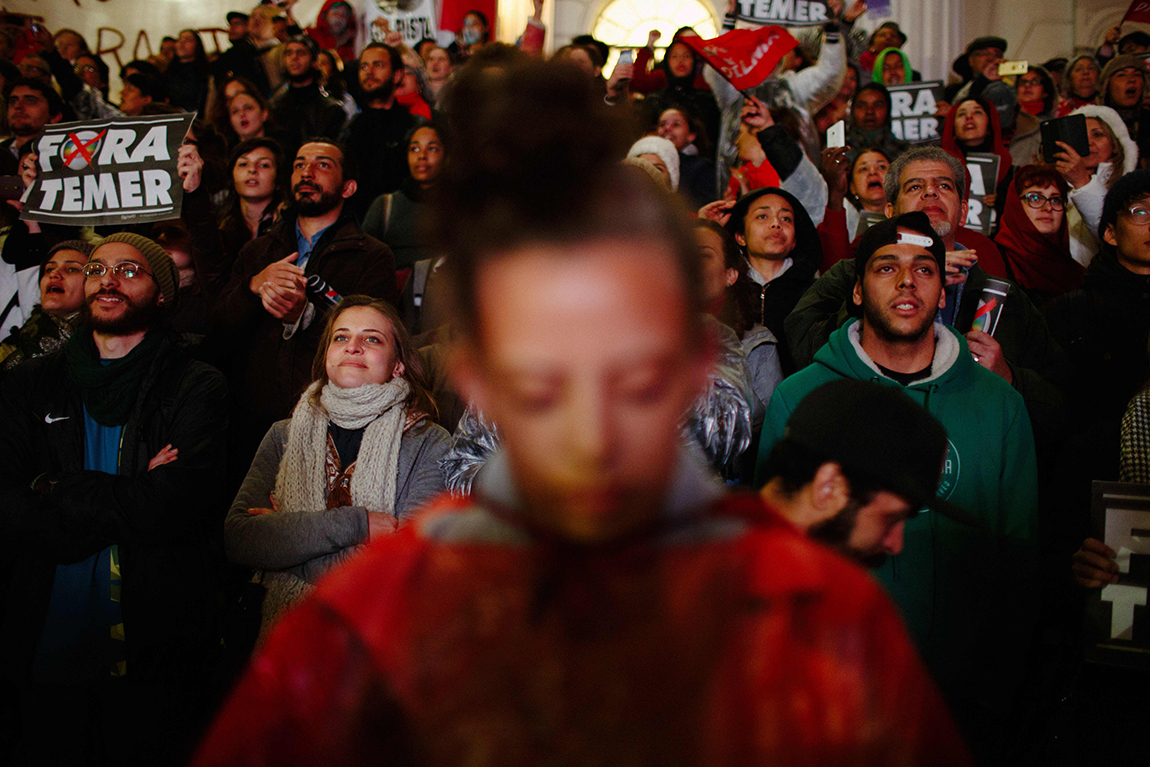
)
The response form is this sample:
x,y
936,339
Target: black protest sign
x,y
983,168
787,13
912,111
120,171
1117,618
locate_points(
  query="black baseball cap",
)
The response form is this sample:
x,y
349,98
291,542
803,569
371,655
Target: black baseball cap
x,y
236,15
886,233
306,42
879,435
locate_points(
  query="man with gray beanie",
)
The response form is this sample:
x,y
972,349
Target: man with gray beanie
x,y
111,462
966,589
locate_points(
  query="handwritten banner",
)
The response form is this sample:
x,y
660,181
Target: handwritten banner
x,y
120,171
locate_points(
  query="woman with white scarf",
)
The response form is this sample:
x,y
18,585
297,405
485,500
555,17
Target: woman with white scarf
x,y
359,455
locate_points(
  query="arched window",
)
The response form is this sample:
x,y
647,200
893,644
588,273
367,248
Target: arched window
x,y
625,23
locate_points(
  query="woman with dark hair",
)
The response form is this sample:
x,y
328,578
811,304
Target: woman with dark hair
x,y
1036,93
869,124
972,126
186,78
248,117
331,79
728,295
53,320
358,456
259,187
696,170
473,35
855,184
393,217
1034,239
682,69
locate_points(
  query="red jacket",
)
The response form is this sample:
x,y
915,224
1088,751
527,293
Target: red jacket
x,y
727,638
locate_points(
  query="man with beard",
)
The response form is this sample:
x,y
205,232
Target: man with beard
x,y
31,106
966,591
301,108
857,460
111,465
1021,351
264,320
375,135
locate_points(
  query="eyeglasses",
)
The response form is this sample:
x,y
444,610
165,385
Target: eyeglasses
x,y
85,68
1139,214
1032,81
125,269
1036,200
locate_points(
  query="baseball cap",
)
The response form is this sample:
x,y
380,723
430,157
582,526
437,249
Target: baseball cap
x,y
236,15
879,435
886,233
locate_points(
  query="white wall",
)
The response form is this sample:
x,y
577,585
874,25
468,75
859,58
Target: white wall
x,y
938,29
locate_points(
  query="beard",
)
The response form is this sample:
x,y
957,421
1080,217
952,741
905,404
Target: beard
x,y
878,321
134,319
382,93
942,228
311,207
836,533
311,73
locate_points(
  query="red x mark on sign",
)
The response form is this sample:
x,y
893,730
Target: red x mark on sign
x,y
81,147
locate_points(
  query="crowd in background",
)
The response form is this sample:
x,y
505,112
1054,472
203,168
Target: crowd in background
x,y
311,180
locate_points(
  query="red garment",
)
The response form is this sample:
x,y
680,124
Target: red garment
x,y
647,79
998,146
1036,261
1033,107
733,641
1068,104
837,244
757,177
867,59
321,33
414,104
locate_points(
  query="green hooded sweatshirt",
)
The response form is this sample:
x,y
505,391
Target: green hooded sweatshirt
x,y
969,595
876,73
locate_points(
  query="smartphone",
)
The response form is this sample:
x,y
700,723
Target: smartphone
x,y
1009,68
1070,130
627,57
837,135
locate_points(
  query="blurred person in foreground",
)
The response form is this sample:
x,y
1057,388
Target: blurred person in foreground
x,y
597,599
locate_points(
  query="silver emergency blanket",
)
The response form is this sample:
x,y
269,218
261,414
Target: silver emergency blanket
x,y
719,421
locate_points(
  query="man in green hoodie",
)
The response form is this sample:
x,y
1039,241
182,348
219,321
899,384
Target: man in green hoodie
x,y
967,592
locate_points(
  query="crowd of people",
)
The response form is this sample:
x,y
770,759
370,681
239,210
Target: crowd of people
x,y
490,410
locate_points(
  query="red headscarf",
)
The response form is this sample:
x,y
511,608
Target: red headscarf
x,y
1037,261
998,146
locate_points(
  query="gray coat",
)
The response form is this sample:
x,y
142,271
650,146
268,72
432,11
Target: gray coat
x,y
307,544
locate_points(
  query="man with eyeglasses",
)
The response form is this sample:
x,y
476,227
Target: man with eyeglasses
x,y
111,463
1104,327
375,135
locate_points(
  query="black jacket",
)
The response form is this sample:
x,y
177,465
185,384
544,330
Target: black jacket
x,y
374,137
166,522
268,372
305,113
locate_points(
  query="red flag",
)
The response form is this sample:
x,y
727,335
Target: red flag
x,y
1139,11
746,57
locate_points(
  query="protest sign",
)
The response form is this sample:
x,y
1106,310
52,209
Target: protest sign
x,y
414,19
119,171
1139,10
1117,620
746,57
789,13
983,168
912,108
867,219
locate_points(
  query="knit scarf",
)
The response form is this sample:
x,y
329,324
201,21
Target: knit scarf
x,y
109,390
301,483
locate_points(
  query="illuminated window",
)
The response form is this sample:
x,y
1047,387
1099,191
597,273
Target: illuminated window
x,y
625,23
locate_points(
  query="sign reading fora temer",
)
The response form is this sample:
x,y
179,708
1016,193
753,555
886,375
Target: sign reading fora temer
x,y
108,171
